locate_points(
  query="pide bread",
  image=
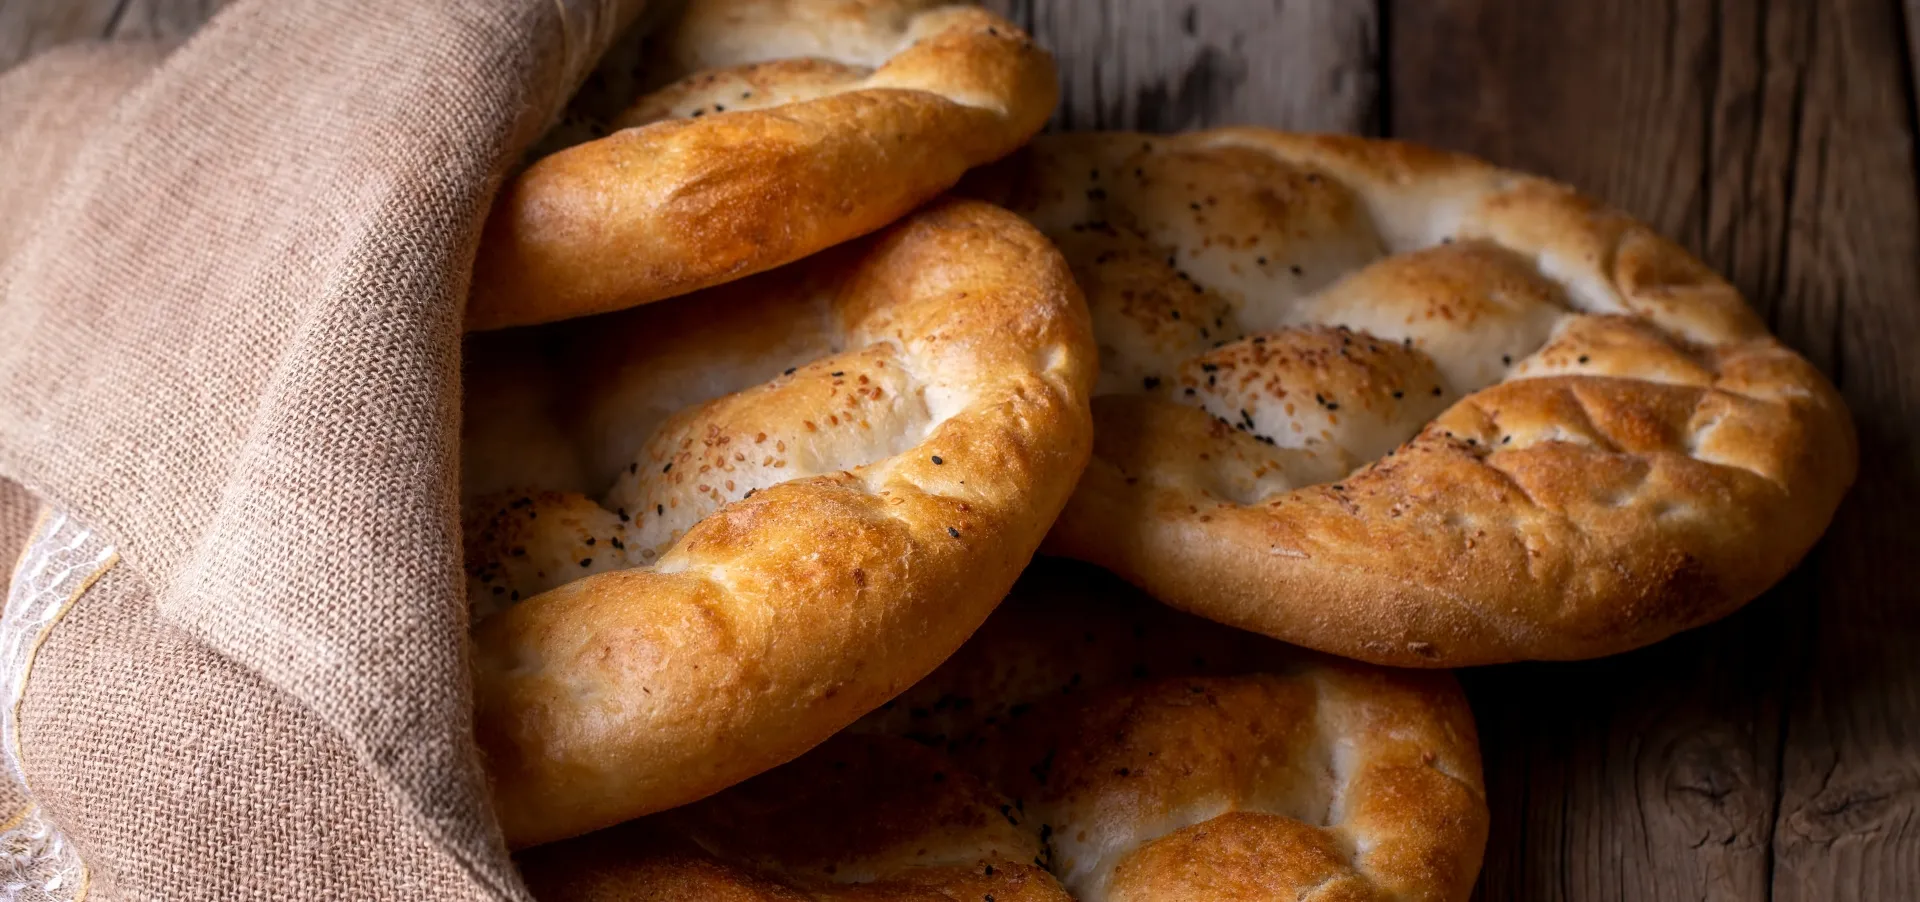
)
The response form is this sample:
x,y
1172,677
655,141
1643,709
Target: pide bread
x,y
1405,406
1088,744
798,124
702,536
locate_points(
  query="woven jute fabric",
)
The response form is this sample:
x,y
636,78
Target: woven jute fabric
x,y
231,278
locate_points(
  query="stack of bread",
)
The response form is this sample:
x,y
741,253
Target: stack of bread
x,y
774,393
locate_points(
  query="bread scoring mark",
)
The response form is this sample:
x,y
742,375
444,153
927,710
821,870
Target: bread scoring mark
x,y
828,416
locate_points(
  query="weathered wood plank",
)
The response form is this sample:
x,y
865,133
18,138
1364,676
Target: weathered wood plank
x,y
1165,66
1849,824
30,26
1770,138
1911,11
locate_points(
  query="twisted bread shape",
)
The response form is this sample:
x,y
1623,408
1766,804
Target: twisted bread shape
x,y
794,543
1089,745
815,122
1406,407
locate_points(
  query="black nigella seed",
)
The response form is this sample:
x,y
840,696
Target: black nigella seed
x,y
1436,391
789,371
668,468
937,461
586,562
1151,382
953,532
1583,358
838,373
660,510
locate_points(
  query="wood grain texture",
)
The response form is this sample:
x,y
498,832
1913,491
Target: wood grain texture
x,y
1164,66
1775,755
1849,823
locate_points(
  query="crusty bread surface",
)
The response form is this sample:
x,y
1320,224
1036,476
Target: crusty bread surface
x,y
1407,407
807,489
798,124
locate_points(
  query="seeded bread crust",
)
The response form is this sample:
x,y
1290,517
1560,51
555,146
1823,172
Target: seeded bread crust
x,y
799,124
1407,407
822,480
1089,744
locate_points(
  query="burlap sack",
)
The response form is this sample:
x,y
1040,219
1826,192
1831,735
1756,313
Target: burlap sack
x,y
230,288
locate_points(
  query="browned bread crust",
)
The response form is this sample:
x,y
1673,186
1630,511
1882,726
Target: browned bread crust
x,y
1089,744
804,123
822,480
1590,442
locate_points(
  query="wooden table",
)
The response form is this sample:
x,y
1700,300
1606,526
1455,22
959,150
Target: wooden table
x,y
1775,755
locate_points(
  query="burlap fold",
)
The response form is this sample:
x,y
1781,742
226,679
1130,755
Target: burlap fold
x,y
230,289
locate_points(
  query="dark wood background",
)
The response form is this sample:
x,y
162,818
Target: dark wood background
x,y
1773,756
